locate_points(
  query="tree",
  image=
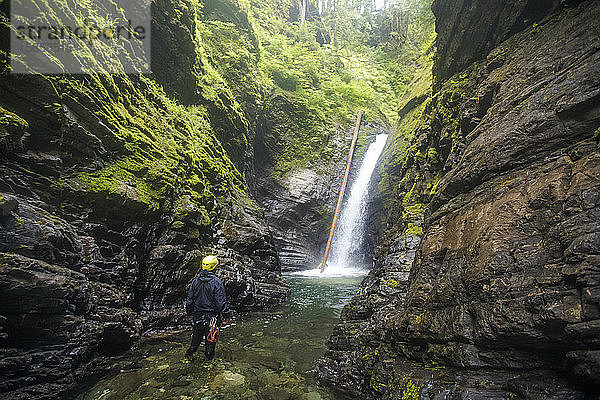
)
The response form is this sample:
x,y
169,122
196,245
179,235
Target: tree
x,y
302,7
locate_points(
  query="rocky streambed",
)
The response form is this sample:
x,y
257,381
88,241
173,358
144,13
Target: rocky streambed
x,y
267,355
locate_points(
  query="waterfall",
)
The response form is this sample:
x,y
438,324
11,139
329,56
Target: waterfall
x,y
350,230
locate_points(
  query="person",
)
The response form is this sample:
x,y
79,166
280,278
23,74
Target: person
x,y
206,300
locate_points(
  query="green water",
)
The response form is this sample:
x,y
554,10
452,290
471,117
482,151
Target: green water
x,y
264,355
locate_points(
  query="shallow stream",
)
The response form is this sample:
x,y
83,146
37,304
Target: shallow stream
x,y
267,355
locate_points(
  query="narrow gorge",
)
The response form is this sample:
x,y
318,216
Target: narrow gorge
x,y
475,274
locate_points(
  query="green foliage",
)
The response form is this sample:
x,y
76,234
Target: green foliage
x,y
335,83
355,70
240,59
163,150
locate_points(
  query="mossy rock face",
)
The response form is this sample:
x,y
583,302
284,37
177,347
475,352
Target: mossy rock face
x,y
290,136
12,131
121,182
209,56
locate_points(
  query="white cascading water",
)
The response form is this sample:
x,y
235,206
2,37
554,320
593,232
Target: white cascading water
x,y
350,230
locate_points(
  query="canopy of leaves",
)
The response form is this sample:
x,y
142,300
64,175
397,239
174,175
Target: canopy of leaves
x,y
340,57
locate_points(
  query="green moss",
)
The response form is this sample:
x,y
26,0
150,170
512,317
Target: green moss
x,y
417,319
177,225
123,178
166,150
396,155
440,113
449,99
506,182
406,200
391,283
413,230
414,211
378,386
10,119
370,355
433,366
420,84
302,134
432,184
432,154
410,389
421,156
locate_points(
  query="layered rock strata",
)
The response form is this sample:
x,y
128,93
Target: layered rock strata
x,y
487,275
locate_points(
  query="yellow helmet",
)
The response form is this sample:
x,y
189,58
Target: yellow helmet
x,y
209,263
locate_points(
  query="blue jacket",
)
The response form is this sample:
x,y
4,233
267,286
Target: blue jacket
x,y
206,297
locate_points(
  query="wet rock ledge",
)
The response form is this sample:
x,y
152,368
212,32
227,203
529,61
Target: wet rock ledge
x,y
487,279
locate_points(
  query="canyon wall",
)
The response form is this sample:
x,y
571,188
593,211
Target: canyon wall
x,y
486,283
113,187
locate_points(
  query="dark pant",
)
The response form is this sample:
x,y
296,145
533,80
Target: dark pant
x,y
199,332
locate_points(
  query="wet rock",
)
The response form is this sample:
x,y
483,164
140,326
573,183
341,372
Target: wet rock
x,y
468,31
497,296
585,365
228,378
297,209
297,205
55,321
8,204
